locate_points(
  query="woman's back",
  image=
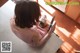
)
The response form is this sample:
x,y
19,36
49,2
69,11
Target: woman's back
x,y
26,34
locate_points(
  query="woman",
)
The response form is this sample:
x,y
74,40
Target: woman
x,y
25,24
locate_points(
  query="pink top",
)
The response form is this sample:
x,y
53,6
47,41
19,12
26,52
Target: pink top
x,y
29,35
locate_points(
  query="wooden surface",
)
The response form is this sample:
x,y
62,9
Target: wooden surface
x,y
2,2
69,32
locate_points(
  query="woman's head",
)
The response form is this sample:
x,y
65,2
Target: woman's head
x,y
27,13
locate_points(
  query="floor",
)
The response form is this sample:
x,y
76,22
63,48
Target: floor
x,y
69,32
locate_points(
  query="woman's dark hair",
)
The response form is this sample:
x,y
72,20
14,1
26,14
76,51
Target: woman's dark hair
x,y
27,13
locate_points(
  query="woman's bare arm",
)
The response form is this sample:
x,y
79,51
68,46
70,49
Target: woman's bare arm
x,y
47,36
